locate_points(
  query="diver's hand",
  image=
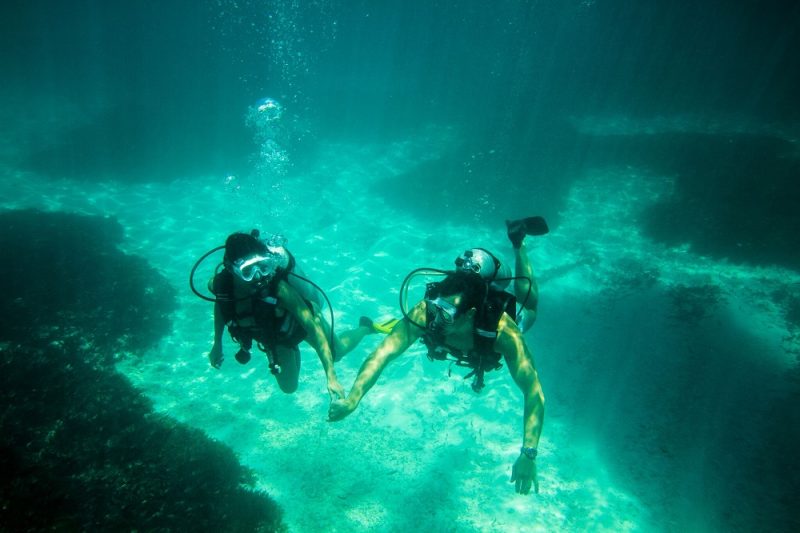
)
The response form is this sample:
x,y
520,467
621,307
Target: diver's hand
x,y
340,408
523,473
215,357
335,389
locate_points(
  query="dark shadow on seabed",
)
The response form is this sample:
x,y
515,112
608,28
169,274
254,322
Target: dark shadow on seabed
x,y
141,142
83,450
487,179
735,197
682,404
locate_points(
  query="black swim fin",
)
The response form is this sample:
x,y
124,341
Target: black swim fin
x,y
517,229
535,226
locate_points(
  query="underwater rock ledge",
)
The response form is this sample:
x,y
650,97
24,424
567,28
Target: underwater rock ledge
x,y
81,448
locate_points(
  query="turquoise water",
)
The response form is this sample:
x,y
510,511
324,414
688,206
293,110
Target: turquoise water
x,y
667,342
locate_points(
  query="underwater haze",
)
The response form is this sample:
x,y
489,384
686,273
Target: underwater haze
x,y
659,140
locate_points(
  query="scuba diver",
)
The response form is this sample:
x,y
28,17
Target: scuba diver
x,y
262,297
471,318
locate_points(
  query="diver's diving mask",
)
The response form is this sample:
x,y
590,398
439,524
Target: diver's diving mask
x,y
444,313
254,267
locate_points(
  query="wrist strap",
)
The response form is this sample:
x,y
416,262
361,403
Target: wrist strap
x,y
530,453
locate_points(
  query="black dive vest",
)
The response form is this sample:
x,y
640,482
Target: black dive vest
x,y
482,358
269,329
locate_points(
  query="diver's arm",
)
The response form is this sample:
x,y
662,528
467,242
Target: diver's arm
x,y
402,336
215,355
219,324
315,334
519,360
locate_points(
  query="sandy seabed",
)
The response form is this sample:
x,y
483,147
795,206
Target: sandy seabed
x,y
641,396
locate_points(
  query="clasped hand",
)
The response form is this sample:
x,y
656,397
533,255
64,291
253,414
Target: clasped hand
x,y
335,389
340,408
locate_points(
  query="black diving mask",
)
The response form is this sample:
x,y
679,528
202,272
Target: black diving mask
x,y
444,313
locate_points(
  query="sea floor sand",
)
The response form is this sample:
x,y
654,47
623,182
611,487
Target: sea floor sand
x,y
619,359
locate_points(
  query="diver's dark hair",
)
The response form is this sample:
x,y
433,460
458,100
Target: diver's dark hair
x,y
471,286
239,245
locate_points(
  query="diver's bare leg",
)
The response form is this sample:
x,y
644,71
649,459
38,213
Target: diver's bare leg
x,y
288,358
523,270
345,342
